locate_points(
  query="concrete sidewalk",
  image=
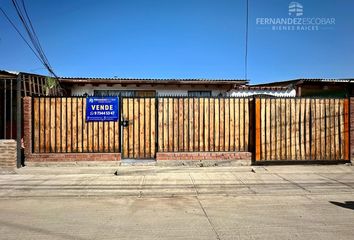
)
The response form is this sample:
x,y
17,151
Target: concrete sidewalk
x,y
153,181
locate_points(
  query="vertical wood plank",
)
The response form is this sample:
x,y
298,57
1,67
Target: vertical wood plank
x,y
332,131
185,125
64,125
293,129
212,125
175,125
318,129
346,130
57,125
180,125
323,130
148,123
52,125
68,125
227,124
237,124
247,125
36,130
263,129
165,124
136,139
153,127
74,124
85,127
206,124
242,124
217,124
196,125
131,119
160,124
336,127
170,125
191,124
307,130
201,124
142,122
232,124
42,124
79,125
222,124
125,150
313,129
267,144
258,129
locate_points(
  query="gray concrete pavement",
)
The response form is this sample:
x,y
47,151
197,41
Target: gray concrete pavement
x,y
176,181
201,217
272,202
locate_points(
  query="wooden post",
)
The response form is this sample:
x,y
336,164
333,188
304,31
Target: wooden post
x,y
346,130
258,129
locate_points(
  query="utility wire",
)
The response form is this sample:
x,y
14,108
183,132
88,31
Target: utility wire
x,y
23,38
33,43
32,35
246,41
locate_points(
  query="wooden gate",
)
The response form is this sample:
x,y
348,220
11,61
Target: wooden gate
x,y
139,128
289,129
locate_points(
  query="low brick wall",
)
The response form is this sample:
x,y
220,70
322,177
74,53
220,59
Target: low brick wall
x,y
8,153
55,157
204,156
72,157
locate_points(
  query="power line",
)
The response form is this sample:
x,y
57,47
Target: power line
x,y
27,23
18,31
246,41
33,43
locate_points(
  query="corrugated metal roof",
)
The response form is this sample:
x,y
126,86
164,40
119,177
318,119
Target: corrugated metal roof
x,y
149,80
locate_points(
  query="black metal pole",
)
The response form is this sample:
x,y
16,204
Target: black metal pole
x,y
19,121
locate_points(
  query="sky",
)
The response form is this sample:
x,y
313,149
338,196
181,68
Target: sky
x,y
181,39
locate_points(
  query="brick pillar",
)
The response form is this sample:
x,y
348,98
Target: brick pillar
x,y
351,132
27,125
8,154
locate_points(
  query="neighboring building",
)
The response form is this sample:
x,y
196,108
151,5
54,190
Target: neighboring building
x,y
31,85
255,90
315,87
148,87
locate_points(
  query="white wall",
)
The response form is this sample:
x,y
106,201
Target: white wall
x,y
275,93
162,90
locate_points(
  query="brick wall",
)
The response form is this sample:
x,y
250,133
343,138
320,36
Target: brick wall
x,y
55,157
8,153
204,156
351,124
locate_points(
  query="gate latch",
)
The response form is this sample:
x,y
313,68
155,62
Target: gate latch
x,y
125,123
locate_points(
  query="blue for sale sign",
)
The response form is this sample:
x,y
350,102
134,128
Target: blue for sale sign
x,y
102,109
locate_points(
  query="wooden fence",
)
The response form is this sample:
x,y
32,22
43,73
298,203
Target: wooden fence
x,y
59,126
302,129
272,128
204,124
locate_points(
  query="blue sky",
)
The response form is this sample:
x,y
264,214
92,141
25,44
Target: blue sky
x,y
181,39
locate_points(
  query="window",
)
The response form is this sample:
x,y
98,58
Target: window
x,y
125,93
199,93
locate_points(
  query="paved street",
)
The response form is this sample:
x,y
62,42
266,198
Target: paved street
x,y
278,202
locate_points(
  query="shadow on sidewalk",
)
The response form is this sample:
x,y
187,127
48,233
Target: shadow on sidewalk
x,y
348,204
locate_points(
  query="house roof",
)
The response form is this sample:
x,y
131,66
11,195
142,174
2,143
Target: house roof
x,y
86,80
303,80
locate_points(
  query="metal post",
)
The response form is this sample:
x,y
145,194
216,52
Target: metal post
x,y
18,121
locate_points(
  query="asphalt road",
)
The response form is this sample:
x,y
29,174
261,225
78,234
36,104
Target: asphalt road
x,y
164,203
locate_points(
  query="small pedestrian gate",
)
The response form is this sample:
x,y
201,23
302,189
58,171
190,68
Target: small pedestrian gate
x,y
139,128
